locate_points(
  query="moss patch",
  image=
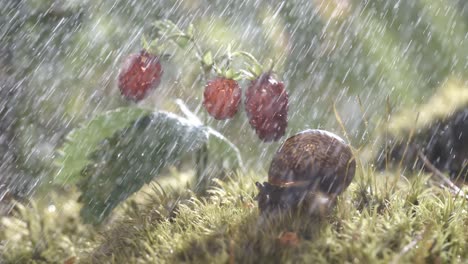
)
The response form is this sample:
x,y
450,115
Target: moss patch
x,y
379,219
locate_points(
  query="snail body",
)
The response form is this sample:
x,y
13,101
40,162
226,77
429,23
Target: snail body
x,y
310,165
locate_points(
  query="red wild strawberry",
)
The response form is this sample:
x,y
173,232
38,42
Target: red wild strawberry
x,y
222,97
140,73
266,104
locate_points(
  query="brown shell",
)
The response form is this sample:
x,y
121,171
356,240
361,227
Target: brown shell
x,y
316,158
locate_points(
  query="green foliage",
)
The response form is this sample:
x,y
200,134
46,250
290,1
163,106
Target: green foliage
x,y
116,153
395,48
125,162
48,232
81,142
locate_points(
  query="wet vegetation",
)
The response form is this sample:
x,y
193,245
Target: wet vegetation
x,y
380,219
91,176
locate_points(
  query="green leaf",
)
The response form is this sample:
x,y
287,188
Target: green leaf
x,y
190,30
220,149
224,152
145,43
229,51
230,73
81,142
256,70
217,159
133,157
219,71
208,58
181,40
237,76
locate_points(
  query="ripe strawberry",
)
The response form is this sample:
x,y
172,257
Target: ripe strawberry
x,y
222,97
266,104
140,73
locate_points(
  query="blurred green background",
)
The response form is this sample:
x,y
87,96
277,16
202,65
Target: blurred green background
x,y
59,61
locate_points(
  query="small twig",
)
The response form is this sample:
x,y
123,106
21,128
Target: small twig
x,y
456,190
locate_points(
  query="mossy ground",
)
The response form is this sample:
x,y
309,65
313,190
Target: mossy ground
x,y
381,218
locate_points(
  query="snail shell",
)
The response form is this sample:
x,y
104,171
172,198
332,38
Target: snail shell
x,y
309,163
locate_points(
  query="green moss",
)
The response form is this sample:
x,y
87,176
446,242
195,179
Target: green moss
x,y
433,128
47,230
379,219
450,97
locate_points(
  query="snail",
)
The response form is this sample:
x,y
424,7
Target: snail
x,y
309,169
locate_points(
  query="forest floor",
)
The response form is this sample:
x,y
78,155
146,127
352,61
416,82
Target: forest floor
x,y
381,218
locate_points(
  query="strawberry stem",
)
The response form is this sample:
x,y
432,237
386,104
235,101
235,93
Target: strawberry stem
x,y
246,55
